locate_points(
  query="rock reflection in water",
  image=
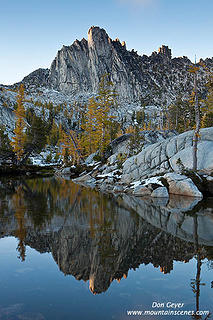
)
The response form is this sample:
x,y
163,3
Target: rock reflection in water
x,y
99,237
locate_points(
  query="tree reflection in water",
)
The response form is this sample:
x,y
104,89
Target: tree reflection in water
x,y
196,283
99,237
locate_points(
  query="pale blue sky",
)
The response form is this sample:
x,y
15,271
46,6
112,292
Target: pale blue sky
x,y
32,31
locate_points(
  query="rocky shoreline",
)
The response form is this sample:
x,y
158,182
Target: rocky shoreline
x,y
160,167
163,167
171,183
9,170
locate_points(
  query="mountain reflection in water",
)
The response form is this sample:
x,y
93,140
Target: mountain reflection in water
x,y
98,237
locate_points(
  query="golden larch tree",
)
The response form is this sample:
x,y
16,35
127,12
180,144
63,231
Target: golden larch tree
x,y
98,130
19,138
90,138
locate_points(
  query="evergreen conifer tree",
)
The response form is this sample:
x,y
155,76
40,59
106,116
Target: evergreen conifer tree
x,y
5,146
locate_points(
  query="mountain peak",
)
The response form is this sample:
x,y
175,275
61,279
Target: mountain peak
x,y
164,50
77,69
97,35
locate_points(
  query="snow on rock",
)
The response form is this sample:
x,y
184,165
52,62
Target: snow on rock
x,y
110,174
135,184
154,180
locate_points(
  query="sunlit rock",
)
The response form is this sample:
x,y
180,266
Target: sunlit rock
x,y
182,185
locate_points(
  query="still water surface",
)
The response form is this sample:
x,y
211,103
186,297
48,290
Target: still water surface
x,y
67,252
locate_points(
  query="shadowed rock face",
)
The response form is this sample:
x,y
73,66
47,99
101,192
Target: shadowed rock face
x,y
38,78
96,237
157,79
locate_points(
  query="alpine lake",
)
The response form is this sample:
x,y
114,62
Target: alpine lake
x,y
70,252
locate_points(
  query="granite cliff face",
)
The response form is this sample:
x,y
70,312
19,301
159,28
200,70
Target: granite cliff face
x,y
157,79
162,157
76,71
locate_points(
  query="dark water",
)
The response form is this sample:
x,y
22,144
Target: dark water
x,y
67,252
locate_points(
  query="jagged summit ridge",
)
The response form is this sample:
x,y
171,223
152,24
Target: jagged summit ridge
x,y
78,68
156,79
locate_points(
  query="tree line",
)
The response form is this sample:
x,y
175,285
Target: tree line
x,y
96,126
33,132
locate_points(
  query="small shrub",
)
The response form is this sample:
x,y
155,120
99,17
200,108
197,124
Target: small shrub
x,y
180,165
98,157
121,158
56,158
49,158
29,162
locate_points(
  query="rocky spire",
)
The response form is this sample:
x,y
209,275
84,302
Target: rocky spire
x,y
123,43
97,36
164,50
